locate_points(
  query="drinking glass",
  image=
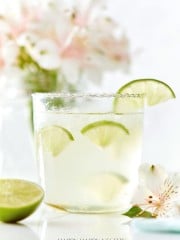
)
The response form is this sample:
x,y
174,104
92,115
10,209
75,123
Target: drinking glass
x,y
88,151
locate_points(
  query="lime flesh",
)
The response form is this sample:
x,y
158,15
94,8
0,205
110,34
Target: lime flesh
x,y
106,186
134,95
18,199
104,133
54,139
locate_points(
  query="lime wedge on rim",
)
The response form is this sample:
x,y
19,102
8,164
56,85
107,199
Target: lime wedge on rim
x,y
135,94
104,133
18,199
54,139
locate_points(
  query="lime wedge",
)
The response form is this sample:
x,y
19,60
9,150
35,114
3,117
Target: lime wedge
x,y
54,139
18,199
104,133
135,94
106,186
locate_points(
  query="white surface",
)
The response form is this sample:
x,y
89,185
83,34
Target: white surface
x,y
60,225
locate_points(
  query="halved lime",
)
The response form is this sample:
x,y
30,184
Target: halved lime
x,y
18,199
54,139
106,186
137,93
104,133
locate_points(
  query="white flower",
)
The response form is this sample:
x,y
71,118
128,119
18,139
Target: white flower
x,y
45,53
158,192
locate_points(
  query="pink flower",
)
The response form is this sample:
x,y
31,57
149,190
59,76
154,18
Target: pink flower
x,y
76,49
72,37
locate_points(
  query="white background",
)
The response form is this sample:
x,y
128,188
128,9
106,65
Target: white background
x,y
153,27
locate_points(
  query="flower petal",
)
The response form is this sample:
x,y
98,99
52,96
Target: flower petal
x,y
45,52
71,71
141,195
152,176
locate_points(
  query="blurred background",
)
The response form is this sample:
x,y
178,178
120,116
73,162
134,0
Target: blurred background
x,y
124,40
153,28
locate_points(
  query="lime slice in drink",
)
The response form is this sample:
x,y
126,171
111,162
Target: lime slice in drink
x,y
104,133
106,186
54,139
135,94
18,199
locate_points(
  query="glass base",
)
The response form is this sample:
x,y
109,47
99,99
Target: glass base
x,y
88,209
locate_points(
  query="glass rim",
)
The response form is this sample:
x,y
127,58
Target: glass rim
x,y
87,95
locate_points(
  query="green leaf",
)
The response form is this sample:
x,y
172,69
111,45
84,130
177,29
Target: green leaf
x,y
136,211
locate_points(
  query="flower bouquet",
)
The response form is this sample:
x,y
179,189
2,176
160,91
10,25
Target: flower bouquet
x,y
58,45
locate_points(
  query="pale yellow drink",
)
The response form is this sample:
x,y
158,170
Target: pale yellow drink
x,y
95,169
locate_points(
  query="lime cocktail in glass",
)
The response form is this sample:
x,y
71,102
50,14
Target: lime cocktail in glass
x,y
88,152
